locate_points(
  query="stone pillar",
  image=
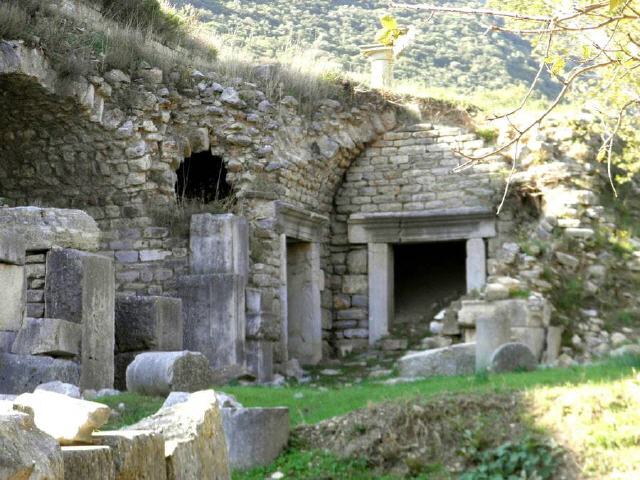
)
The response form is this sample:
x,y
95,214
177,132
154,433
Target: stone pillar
x,y
491,332
381,281
381,58
13,287
476,264
282,352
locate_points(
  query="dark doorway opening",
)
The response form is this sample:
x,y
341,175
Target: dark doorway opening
x,y
202,177
428,276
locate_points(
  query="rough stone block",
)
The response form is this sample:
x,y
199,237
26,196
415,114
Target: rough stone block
x,y
214,316
11,248
219,244
23,373
60,387
48,336
159,373
472,310
255,436
491,332
80,287
512,357
13,296
457,359
195,445
88,463
137,455
148,323
25,451
259,357
262,326
554,342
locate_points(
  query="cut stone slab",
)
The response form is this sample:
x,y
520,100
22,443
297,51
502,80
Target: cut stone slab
x,y
148,323
13,296
195,445
491,332
25,451
219,244
80,288
61,388
23,373
159,373
553,344
88,463
512,357
259,356
255,436
6,340
11,248
48,336
457,359
532,337
137,454
66,419
43,228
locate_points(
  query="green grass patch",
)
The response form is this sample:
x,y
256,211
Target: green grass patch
x,y
136,407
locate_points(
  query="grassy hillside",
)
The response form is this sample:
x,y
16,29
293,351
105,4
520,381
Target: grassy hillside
x,y
450,52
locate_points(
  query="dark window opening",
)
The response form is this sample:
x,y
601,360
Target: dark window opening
x,y
202,177
427,276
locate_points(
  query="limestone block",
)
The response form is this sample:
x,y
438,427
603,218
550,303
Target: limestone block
x,y
554,342
148,323
88,463
60,387
255,436
532,337
259,358
357,261
48,336
195,445
457,359
214,316
491,332
158,373
219,244
13,296
11,248
42,228
68,420
512,357
6,340
25,451
137,454
23,373
476,264
262,325
80,287
472,310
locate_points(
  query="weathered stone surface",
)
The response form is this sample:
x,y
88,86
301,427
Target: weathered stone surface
x,y
137,454
195,445
12,248
512,357
13,296
224,400
214,316
158,373
60,387
491,332
88,463
454,360
6,340
25,451
23,373
80,287
532,337
259,357
48,336
553,344
219,244
255,436
42,228
66,419
148,323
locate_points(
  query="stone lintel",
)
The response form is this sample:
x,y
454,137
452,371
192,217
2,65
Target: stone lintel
x,y
299,223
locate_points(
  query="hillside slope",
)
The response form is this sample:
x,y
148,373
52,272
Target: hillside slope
x,y
450,52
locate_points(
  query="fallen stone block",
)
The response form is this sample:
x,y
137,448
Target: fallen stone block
x,y
255,436
195,445
137,454
23,373
11,248
457,359
158,373
25,451
224,400
512,357
13,296
88,463
48,336
148,323
66,419
60,387
80,287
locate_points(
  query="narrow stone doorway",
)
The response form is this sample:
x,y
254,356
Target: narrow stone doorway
x,y
427,277
304,321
